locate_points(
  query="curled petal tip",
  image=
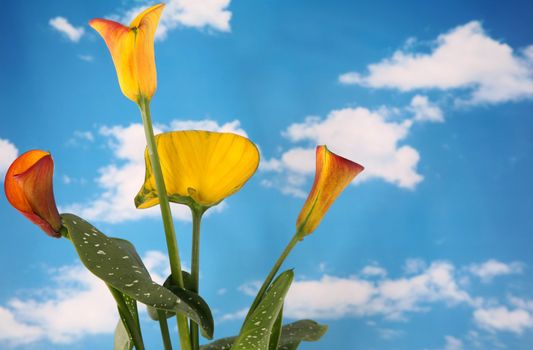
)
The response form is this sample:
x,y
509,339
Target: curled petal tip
x,y
151,13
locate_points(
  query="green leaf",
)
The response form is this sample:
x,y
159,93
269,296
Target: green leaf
x,y
304,330
169,284
123,340
256,331
221,344
291,336
128,331
276,331
116,262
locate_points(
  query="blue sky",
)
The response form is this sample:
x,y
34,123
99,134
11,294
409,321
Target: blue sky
x,y
430,249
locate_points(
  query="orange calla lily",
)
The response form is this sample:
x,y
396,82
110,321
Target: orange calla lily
x,y
28,187
333,174
132,50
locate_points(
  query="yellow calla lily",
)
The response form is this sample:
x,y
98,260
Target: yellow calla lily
x,y
132,50
333,174
199,167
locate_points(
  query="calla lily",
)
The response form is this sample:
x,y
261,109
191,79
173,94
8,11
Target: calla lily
x,y
132,50
28,187
199,167
333,174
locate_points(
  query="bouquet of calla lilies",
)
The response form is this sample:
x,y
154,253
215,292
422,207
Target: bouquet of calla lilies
x,y
194,168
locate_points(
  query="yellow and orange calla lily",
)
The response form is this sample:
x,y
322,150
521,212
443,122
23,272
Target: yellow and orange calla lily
x,y
199,167
333,174
28,187
132,50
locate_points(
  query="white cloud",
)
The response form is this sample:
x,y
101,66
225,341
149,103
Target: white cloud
x,y
157,263
464,58
453,343
414,265
80,138
208,124
250,288
62,25
84,135
502,319
359,134
436,283
197,14
483,340
8,153
53,313
67,180
521,303
120,180
322,267
390,298
17,332
312,299
424,110
209,14
76,292
492,268
351,78
86,58
237,315
373,270
389,334
419,289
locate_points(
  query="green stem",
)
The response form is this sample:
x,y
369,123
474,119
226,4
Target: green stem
x,y
295,239
132,324
168,223
197,213
165,335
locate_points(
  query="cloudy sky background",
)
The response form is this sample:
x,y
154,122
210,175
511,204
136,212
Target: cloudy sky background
x,y
429,249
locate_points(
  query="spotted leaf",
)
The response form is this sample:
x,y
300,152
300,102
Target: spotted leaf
x,y
291,336
304,330
257,329
276,332
127,331
169,284
123,340
116,262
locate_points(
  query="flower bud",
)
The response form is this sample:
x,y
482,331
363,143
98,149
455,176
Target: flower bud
x,y
132,50
28,187
333,174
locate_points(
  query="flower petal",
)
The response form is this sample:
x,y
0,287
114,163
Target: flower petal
x,y
132,50
28,186
333,174
200,166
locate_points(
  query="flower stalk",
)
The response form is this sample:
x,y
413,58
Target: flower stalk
x,y
333,173
268,280
168,223
163,325
197,212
